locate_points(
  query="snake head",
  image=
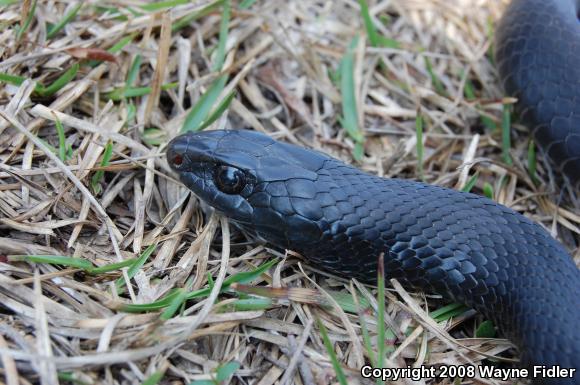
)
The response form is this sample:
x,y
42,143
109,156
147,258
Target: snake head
x,y
261,184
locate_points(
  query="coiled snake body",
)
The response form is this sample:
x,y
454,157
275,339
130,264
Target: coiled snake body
x,y
458,244
538,58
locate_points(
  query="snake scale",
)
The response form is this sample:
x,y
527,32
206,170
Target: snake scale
x,y
461,245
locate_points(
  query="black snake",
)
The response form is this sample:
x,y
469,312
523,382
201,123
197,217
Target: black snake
x,y
538,58
458,244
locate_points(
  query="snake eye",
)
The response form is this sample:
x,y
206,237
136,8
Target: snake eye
x,y
177,159
229,180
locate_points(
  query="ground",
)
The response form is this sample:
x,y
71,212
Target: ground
x,y
113,273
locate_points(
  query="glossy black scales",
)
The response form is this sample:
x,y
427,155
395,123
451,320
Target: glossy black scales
x,y
460,245
538,58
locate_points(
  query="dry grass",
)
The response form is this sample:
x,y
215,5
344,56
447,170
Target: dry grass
x,y
67,321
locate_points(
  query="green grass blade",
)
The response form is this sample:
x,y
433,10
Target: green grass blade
x,y
245,4
505,134
134,92
154,136
133,71
59,83
381,314
203,382
359,151
202,108
376,39
488,122
242,277
53,260
154,378
226,370
249,276
329,348
349,121
117,47
469,89
72,262
485,330
175,304
219,110
136,265
54,29
345,301
490,22
131,113
50,146
437,84
111,267
134,12
27,22
372,33
249,304
152,306
364,329
471,182
191,17
98,176
110,12
488,190
12,79
388,43
154,7
71,377
139,262
223,37
532,161
420,145
61,139
448,311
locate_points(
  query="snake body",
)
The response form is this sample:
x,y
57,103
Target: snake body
x,y
457,244
461,245
538,58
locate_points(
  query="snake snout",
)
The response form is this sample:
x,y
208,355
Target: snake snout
x,y
175,154
187,149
